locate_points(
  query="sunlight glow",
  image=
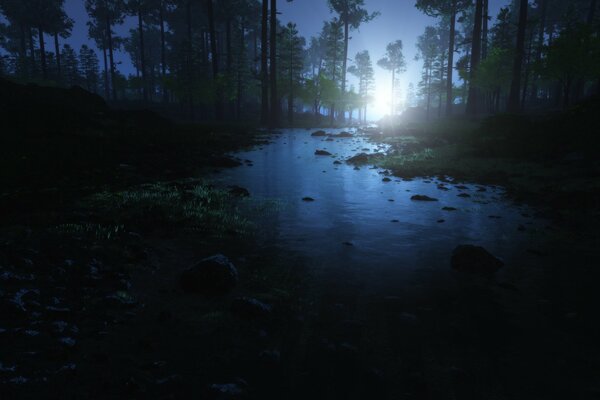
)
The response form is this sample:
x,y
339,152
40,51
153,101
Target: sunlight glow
x,y
382,101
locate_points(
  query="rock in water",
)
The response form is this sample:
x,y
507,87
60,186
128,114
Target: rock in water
x,y
474,260
212,276
319,133
238,191
420,197
248,307
322,153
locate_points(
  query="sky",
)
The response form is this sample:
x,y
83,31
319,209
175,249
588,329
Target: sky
x,y
399,19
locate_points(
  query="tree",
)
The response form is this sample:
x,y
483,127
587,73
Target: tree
x,y
351,14
292,64
428,45
264,58
473,99
393,61
450,10
514,95
139,9
89,68
71,66
332,37
363,70
104,14
215,59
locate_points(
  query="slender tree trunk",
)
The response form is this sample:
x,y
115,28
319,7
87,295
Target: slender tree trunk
x,y
34,69
428,91
393,110
57,50
540,46
43,53
142,55
22,51
273,84
449,87
264,54
190,72
229,60
163,53
106,83
291,79
111,58
238,112
484,33
513,105
345,63
527,70
473,99
215,60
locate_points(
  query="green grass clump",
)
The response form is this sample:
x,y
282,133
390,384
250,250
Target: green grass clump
x,y
167,206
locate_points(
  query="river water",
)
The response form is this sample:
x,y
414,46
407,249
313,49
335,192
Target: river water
x,y
359,221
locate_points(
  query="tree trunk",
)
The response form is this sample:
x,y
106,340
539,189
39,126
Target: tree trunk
x,y
473,99
215,60
449,87
238,111
190,74
43,53
274,120
229,60
163,53
513,105
392,108
484,34
264,54
540,46
57,50
142,55
106,83
111,58
291,78
527,71
32,53
428,91
345,65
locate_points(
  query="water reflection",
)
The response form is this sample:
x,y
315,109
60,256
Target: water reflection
x,y
359,221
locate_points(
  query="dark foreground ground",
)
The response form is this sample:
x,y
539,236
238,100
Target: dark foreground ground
x,y
102,212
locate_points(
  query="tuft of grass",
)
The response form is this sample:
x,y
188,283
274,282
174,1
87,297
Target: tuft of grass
x,y
198,208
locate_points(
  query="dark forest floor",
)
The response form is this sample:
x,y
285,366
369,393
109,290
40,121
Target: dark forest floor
x,y
102,211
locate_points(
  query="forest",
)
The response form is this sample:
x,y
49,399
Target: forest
x,y
234,60
300,199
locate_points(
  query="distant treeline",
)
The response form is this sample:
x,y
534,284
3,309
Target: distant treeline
x,y
232,59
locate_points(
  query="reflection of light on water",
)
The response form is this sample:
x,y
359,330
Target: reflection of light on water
x,y
352,206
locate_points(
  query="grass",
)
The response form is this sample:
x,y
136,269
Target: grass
x,y
168,206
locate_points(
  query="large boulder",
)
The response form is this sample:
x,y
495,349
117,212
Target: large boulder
x,y
211,276
319,133
474,260
322,153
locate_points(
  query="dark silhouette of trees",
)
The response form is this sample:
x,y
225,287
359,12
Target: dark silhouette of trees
x,y
351,14
514,95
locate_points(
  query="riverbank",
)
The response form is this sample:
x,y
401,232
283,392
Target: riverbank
x,y
550,161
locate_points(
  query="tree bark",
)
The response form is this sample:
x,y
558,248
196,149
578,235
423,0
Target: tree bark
x,y
111,58
264,54
274,117
473,99
142,55
163,53
190,74
106,83
345,64
449,87
43,53
215,60
57,51
32,53
540,46
484,34
513,105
